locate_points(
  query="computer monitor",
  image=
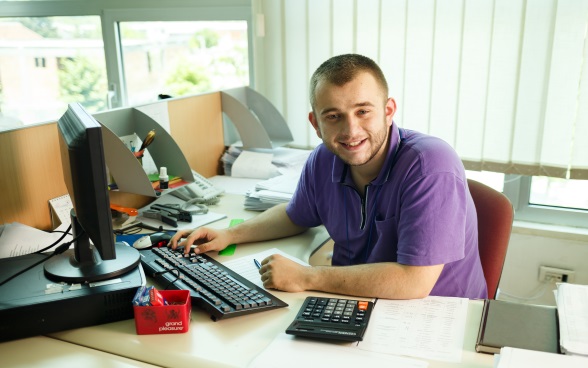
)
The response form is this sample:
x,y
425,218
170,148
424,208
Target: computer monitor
x,y
96,255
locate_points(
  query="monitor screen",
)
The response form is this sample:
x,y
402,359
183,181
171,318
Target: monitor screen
x,y
96,255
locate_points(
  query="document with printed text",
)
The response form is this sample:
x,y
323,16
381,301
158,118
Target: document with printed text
x,y
430,328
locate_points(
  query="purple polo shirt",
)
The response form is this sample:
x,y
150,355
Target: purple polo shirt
x,y
417,211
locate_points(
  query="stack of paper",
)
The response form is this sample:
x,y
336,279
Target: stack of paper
x,y
573,318
18,239
283,159
271,192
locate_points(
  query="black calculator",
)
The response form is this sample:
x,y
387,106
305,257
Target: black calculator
x,y
332,318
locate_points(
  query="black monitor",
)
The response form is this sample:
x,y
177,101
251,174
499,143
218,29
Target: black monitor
x,y
96,255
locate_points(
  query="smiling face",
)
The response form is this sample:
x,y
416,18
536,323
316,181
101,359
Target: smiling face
x,y
353,120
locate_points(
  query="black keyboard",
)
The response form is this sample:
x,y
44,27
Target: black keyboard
x,y
332,318
213,287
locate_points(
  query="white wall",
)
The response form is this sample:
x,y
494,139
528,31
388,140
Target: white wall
x,y
532,247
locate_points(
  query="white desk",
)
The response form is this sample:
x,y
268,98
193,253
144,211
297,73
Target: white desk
x,y
234,342
41,351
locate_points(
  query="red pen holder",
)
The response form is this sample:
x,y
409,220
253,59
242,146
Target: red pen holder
x,y
165,319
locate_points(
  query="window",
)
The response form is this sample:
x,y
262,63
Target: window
x,y
491,179
177,58
67,65
557,192
546,203
40,62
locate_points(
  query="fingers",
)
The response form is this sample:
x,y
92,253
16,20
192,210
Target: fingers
x,y
204,240
269,266
174,242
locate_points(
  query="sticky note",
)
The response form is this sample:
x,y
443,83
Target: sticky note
x,y
230,249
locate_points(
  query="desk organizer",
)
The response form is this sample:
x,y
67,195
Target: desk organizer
x,y
124,167
165,319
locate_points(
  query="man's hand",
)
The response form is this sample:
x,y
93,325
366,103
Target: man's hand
x,y
280,273
204,238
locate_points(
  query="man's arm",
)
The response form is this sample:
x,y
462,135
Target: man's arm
x,y
381,280
273,223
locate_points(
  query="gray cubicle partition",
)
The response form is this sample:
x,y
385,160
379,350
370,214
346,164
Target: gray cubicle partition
x,y
258,122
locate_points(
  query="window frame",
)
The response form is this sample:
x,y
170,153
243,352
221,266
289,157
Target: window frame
x,y
113,11
112,43
518,189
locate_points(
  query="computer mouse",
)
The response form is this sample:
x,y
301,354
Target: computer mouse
x,y
157,240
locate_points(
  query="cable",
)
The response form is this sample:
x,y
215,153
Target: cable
x,y
65,233
177,275
60,249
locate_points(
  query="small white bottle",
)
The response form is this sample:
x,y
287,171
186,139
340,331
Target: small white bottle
x,y
163,178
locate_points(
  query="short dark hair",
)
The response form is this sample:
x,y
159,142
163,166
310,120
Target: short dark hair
x,y
341,69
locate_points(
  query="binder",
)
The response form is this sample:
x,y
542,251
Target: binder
x,y
524,326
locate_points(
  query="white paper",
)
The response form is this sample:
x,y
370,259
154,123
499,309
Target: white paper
x,y
572,302
253,165
197,220
430,328
234,185
157,111
515,358
286,351
245,266
18,239
284,183
62,207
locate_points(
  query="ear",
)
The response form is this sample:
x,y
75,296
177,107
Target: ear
x,y
390,110
314,123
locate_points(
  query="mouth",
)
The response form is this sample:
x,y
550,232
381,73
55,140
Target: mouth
x,y
352,145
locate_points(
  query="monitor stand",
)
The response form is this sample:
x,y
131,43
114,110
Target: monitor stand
x,y
84,263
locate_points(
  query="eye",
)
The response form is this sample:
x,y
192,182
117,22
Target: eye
x,y
331,117
362,112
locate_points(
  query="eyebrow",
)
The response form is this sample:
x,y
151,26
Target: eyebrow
x,y
334,109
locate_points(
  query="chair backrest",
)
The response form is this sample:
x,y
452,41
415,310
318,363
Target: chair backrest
x,y
495,217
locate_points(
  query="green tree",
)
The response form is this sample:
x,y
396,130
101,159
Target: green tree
x,y
82,81
40,25
205,38
187,78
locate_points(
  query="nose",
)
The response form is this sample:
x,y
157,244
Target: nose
x,y
351,125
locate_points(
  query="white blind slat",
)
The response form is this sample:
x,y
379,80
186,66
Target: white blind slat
x,y
392,46
533,75
446,66
343,29
564,76
368,28
474,79
418,59
503,80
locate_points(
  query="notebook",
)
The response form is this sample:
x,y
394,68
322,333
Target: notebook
x,y
524,326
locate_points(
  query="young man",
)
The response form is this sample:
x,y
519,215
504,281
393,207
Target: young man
x,y
395,201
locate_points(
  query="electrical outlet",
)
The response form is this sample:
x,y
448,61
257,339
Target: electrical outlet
x,y
552,274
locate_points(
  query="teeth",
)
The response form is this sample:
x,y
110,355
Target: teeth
x,y
353,144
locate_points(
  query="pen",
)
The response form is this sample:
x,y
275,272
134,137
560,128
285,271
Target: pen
x,y
148,140
257,263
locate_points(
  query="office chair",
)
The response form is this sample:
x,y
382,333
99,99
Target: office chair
x,y
495,217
